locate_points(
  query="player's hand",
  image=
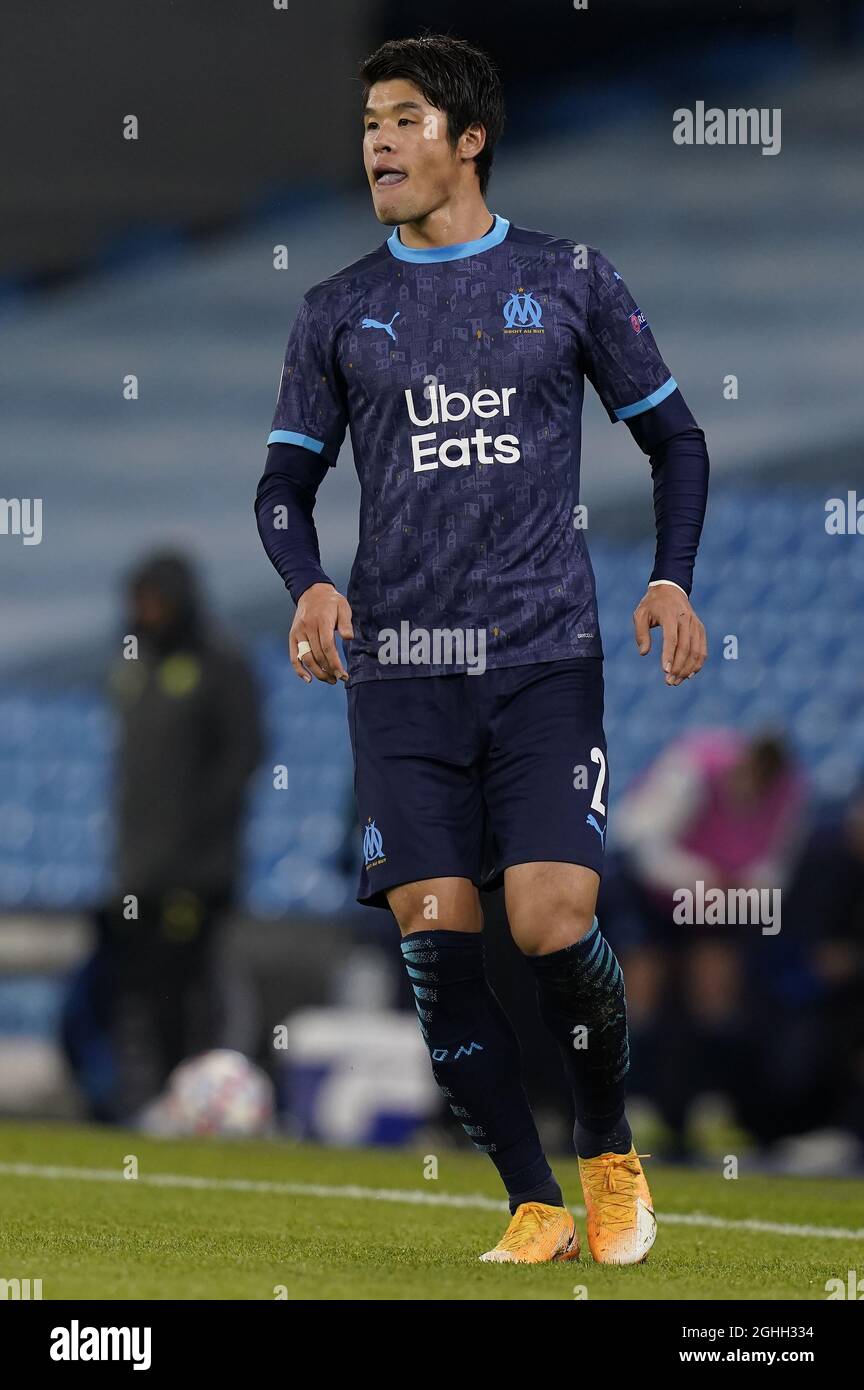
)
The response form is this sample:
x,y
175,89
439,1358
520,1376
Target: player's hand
x,y
321,613
685,646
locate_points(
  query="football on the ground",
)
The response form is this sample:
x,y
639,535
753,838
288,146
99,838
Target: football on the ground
x,y
220,1093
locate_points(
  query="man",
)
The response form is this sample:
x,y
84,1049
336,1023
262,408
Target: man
x,y
457,353
821,1024
717,810
189,742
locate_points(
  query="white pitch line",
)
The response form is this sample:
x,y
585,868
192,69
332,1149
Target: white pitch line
x,y
353,1193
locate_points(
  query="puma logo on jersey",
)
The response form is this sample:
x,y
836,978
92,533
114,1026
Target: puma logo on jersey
x,y
376,323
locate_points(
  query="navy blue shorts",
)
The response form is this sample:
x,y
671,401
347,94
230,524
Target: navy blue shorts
x,y
462,776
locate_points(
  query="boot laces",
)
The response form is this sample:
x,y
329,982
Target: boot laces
x,y
612,1183
527,1221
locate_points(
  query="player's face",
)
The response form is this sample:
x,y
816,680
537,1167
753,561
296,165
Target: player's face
x,y
410,165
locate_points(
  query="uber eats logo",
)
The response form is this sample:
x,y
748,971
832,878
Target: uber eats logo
x,y
443,407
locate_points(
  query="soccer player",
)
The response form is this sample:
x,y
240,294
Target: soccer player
x,y
456,353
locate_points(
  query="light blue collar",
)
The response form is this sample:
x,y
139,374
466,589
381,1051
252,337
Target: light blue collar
x,y
449,253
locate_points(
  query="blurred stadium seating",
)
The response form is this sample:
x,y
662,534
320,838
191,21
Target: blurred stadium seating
x,y
745,265
793,609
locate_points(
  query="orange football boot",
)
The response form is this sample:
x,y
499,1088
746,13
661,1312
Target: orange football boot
x,y
538,1234
619,1211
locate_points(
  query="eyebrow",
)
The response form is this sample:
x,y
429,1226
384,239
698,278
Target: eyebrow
x,y
395,106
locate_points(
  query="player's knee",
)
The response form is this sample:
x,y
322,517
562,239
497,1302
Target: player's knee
x,y
417,921
557,924
550,906
436,906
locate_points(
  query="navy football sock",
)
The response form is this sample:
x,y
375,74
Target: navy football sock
x,y
581,995
476,1060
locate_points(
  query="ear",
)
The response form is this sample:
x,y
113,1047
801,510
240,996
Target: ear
x,y
471,141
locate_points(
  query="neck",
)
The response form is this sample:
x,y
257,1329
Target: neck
x,y
451,224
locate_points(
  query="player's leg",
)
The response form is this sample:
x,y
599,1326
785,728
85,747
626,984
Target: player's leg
x,y
419,799
547,790
476,1061
580,988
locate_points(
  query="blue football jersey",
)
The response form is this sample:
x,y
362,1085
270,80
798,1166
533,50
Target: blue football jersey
x,y
460,373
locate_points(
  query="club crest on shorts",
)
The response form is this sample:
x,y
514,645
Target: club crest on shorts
x,y
373,845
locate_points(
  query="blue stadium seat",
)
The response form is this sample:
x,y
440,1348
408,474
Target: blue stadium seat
x,y
795,610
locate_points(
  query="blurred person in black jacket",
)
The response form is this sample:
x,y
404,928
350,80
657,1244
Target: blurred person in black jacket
x,y
189,739
811,1075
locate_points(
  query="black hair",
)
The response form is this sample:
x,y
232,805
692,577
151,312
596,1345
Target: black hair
x,y
172,576
769,756
455,77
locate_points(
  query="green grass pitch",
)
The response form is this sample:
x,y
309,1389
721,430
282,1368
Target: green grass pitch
x,y
217,1220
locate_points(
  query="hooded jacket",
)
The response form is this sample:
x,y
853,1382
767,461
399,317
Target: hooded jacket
x,y
189,740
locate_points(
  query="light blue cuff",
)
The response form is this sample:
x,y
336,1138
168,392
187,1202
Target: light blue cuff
x,y
290,437
628,411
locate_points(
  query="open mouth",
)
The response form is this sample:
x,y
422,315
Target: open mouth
x,y
389,178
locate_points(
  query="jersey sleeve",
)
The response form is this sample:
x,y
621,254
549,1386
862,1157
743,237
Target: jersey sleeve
x,y
621,359
310,407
